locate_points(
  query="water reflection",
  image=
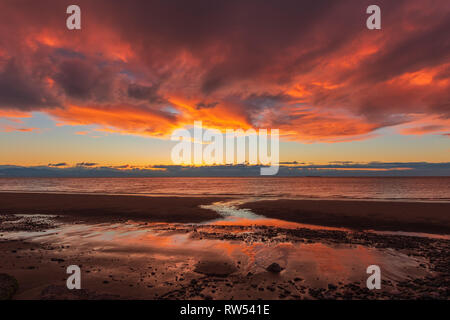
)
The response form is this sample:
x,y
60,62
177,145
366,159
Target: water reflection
x,y
318,263
387,188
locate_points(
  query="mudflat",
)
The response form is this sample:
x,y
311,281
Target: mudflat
x,y
109,208
377,215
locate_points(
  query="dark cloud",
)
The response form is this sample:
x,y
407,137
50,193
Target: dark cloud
x,y
141,92
85,80
20,89
60,164
443,74
125,166
87,164
206,105
287,170
420,49
256,61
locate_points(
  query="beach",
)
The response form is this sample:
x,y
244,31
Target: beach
x,y
96,208
138,247
361,215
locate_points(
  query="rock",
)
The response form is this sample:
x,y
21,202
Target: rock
x,y
332,286
215,268
275,268
8,286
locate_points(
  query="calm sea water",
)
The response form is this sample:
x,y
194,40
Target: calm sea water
x,y
423,188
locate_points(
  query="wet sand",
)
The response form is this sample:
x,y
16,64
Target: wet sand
x,y
360,215
424,217
96,208
216,257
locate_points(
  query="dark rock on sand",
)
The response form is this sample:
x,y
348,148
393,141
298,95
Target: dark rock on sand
x,y
8,286
215,268
331,286
275,268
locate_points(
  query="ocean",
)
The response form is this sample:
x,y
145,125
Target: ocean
x,y
370,188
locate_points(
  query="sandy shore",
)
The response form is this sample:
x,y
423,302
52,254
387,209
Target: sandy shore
x,y
131,247
360,215
109,208
170,261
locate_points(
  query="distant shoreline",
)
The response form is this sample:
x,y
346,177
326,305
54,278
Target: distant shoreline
x,y
221,176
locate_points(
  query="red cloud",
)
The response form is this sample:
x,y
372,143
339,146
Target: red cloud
x,y
310,69
12,129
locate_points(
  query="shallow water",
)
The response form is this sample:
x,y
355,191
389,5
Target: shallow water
x,y
233,215
318,263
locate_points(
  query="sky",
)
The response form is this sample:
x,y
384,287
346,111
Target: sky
x,y
112,93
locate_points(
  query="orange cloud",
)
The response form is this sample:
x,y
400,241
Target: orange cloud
x,y
426,125
222,116
313,126
14,114
128,119
12,129
82,133
153,73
